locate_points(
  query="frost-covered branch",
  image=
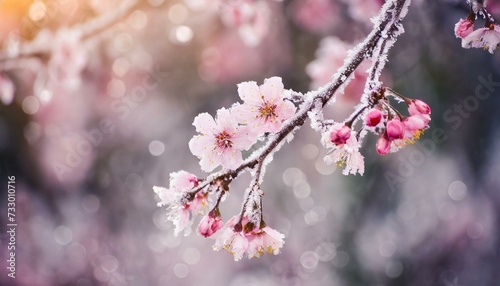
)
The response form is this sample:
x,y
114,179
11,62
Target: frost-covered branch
x,y
268,114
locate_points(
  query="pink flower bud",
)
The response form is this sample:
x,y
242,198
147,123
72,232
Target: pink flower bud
x,y
417,107
209,224
383,146
463,28
414,122
395,129
340,134
373,117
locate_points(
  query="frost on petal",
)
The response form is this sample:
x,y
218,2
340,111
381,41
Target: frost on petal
x,y
205,124
272,89
182,180
231,159
166,196
244,138
255,245
202,145
249,92
243,113
286,110
273,240
209,162
238,246
182,222
225,121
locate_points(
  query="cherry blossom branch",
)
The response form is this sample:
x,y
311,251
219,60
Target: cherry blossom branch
x,y
268,113
388,22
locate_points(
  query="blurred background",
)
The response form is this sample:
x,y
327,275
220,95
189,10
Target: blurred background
x,y
97,103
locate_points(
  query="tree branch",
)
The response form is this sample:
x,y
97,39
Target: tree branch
x,y
387,24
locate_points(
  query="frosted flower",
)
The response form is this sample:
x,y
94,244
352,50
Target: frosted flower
x,y
264,240
233,241
220,141
486,38
264,109
181,214
340,133
347,156
463,28
253,242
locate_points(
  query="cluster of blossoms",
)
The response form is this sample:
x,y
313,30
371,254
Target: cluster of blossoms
x,y
487,37
220,142
394,130
234,130
268,114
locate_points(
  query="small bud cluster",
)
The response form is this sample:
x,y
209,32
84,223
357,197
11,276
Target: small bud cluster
x,y
380,117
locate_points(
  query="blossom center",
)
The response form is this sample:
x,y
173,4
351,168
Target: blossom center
x,y
267,110
223,140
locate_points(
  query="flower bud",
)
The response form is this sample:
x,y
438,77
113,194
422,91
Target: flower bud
x,y
340,134
417,107
209,224
373,117
394,129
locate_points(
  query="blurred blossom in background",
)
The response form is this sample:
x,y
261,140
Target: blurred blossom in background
x,y
93,115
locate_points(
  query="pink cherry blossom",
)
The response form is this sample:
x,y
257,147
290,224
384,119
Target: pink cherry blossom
x,y
463,28
264,240
234,241
264,108
347,156
394,129
209,224
253,242
340,133
181,214
220,141
487,38
373,117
